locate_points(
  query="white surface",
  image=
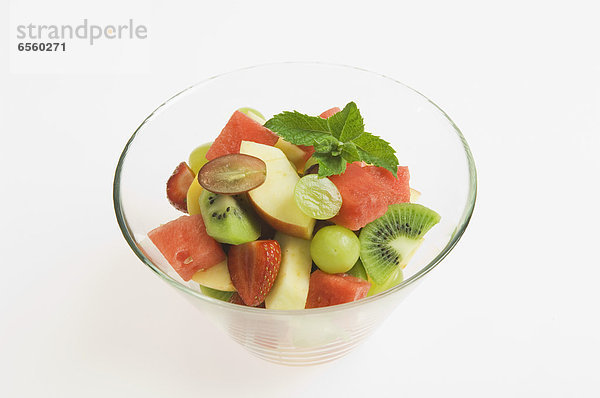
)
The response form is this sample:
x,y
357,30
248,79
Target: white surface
x,y
513,311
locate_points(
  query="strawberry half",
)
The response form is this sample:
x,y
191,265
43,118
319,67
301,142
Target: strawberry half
x,y
237,299
178,185
253,268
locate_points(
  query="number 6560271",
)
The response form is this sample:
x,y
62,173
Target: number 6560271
x,y
41,47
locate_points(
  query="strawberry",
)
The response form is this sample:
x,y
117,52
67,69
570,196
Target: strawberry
x,y
253,268
178,185
236,299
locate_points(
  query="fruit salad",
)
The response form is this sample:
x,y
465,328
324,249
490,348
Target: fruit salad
x,y
293,212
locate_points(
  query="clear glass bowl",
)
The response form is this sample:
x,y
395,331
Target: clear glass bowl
x,y
426,139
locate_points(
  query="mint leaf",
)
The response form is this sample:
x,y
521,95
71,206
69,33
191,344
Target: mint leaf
x,y
326,144
350,152
338,140
376,151
347,124
298,128
330,165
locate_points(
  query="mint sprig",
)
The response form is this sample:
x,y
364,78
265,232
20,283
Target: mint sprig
x,y
338,140
347,124
299,129
375,150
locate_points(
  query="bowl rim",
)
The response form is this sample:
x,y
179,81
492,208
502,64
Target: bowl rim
x,y
456,236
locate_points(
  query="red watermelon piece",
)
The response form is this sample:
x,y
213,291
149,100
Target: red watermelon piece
x,y
367,191
309,150
186,245
239,128
332,289
330,112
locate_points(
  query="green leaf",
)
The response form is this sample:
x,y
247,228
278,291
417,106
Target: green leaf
x,y
297,128
330,165
350,153
347,124
326,144
337,140
376,151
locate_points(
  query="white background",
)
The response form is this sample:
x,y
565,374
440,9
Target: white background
x,y
513,311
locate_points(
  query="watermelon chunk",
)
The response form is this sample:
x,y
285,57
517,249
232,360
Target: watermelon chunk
x,y
186,246
330,112
309,150
240,128
367,191
332,289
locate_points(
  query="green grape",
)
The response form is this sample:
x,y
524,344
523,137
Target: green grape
x,y
335,249
317,197
198,157
218,294
358,270
395,278
253,114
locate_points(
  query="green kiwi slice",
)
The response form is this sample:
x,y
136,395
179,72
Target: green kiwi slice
x,y
358,270
390,241
214,293
229,218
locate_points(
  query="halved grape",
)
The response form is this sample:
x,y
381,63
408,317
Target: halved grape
x,y
198,157
253,114
317,197
232,174
335,249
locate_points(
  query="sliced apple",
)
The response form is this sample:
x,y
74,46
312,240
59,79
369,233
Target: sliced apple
x,y
216,277
414,195
193,194
290,289
293,152
274,199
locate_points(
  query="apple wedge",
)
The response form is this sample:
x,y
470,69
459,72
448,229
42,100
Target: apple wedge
x,y
216,277
293,152
414,195
290,289
274,199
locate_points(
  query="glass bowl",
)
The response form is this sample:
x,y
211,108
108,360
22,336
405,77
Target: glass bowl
x,y
426,140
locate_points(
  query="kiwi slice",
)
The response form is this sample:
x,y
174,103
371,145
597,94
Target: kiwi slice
x,y
390,241
229,218
214,293
358,270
